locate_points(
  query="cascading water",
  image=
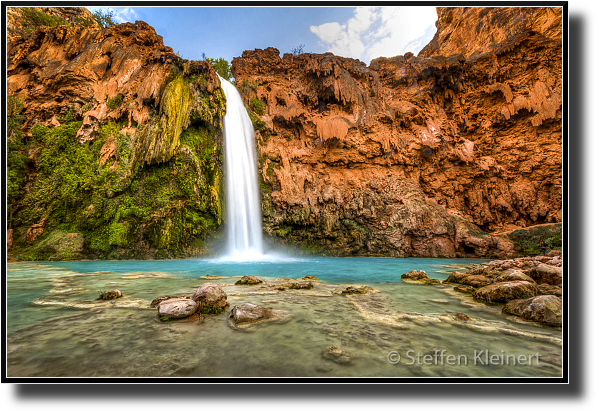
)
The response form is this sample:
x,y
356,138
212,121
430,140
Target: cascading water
x,y
243,220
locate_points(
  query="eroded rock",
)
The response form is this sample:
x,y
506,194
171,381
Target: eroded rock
x,y
506,291
546,309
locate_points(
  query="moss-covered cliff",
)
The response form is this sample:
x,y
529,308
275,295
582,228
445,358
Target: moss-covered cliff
x,y
114,149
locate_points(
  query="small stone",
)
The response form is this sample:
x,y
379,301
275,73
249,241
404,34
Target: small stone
x,y
308,277
462,316
337,355
249,280
110,295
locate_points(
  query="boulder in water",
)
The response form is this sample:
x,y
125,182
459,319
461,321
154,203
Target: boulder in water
x,y
211,294
546,309
110,295
506,291
248,280
177,308
248,314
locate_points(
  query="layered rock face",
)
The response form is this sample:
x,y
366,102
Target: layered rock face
x,y
113,138
412,156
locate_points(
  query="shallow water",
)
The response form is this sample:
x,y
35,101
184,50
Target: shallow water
x,y
57,329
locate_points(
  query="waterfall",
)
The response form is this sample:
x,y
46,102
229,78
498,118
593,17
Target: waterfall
x,y
244,218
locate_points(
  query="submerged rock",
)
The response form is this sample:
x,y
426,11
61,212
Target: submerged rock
x,y
248,313
110,295
337,355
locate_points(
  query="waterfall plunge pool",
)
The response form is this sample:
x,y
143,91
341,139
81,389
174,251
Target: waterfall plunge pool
x,y
56,329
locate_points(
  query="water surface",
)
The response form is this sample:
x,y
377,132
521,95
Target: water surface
x,y
56,328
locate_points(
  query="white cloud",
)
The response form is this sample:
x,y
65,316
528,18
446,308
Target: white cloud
x,y
120,14
126,14
379,31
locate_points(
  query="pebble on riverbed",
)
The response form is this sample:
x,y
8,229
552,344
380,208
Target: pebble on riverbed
x,y
337,355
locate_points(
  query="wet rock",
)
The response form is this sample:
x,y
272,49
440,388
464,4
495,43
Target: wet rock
x,y
418,276
177,308
337,355
545,289
300,285
248,313
475,281
462,316
156,302
211,294
506,291
455,277
546,309
544,273
464,289
511,275
308,277
350,290
249,280
414,275
355,289
110,295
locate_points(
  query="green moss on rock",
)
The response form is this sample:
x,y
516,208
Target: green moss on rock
x,y
158,195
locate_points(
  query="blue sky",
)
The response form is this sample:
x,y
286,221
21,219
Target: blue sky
x,y
358,32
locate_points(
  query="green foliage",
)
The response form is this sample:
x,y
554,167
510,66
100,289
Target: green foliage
x,y
33,19
15,155
247,88
221,66
104,19
257,105
529,240
114,102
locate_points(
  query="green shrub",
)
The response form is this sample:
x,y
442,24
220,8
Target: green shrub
x,y
114,102
104,19
33,19
257,105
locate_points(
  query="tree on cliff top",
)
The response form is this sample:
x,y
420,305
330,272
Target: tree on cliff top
x,y
220,65
105,19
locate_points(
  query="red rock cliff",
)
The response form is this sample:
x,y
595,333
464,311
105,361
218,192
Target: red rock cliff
x,y
114,141
413,155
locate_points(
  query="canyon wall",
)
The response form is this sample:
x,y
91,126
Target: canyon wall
x,y
114,142
414,155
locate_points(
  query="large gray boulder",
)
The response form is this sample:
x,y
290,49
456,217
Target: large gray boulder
x,y
177,308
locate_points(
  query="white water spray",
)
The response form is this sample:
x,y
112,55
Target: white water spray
x,y
243,219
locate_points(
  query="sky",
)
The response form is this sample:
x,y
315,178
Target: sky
x,y
362,33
